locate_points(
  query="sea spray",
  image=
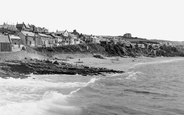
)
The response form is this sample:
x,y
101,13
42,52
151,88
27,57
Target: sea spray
x,y
52,103
134,75
39,97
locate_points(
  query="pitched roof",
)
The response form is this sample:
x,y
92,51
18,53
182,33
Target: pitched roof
x,y
14,37
61,32
4,39
54,35
72,35
28,33
27,26
43,35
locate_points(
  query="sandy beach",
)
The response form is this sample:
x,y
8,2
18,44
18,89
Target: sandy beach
x,y
119,63
72,62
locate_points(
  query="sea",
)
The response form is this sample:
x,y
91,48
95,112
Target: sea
x,y
147,88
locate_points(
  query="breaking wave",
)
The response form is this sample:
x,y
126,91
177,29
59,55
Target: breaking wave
x,y
36,97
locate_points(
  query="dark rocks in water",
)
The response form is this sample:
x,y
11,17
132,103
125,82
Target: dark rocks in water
x,y
46,67
98,56
55,62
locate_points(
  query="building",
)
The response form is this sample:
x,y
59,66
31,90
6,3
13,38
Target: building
x,y
41,30
58,39
15,43
23,27
68,38
5,43
127,35
76,33
8,28
46,40
73,39
15,40
28,38
63,33
95,39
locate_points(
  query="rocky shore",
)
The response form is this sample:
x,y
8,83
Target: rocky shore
x,y
53,60
21,68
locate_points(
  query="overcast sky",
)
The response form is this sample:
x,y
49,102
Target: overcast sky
x,y
152,19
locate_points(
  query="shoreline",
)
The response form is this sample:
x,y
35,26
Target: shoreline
x,y
124,64
93,65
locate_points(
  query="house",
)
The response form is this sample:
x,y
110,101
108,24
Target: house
x,y
15,43
46,40
53,40
73,39
28,38
41,30
15,40
94,39
63,33
5,43
23,27
32,28
58,39
76,33
67,37
91,39
8,28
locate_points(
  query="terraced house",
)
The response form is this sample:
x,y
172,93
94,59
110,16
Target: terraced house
x,y
5,43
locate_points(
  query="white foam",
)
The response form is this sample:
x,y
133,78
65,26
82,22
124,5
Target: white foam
x,y
92,81
37,97
157,62
133,75
52,103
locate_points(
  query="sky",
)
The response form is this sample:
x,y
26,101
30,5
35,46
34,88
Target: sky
x,y
151,19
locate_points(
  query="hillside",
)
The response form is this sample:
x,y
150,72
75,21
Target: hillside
x,y
113,50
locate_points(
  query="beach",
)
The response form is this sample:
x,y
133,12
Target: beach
x,y
120,63
148,86
83,64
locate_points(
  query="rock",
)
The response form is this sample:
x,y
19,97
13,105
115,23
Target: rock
x,y
46,67
55,62
98,56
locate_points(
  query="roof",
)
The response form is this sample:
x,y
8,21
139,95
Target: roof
x,y
43,35
28,33
72,35
9,27
4,39
55,36
60,32
27,26
14,37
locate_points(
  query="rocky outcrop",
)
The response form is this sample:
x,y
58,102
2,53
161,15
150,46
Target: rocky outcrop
x,y
116,50
51,67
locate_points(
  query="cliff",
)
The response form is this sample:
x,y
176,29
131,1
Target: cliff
x,y
115,50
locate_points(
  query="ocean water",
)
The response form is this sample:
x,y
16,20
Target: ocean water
x,y
155,88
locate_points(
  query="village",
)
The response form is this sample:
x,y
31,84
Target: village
x,y
26,49
18,37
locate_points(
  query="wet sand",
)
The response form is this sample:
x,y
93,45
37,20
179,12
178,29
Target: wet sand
x,y
119,63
